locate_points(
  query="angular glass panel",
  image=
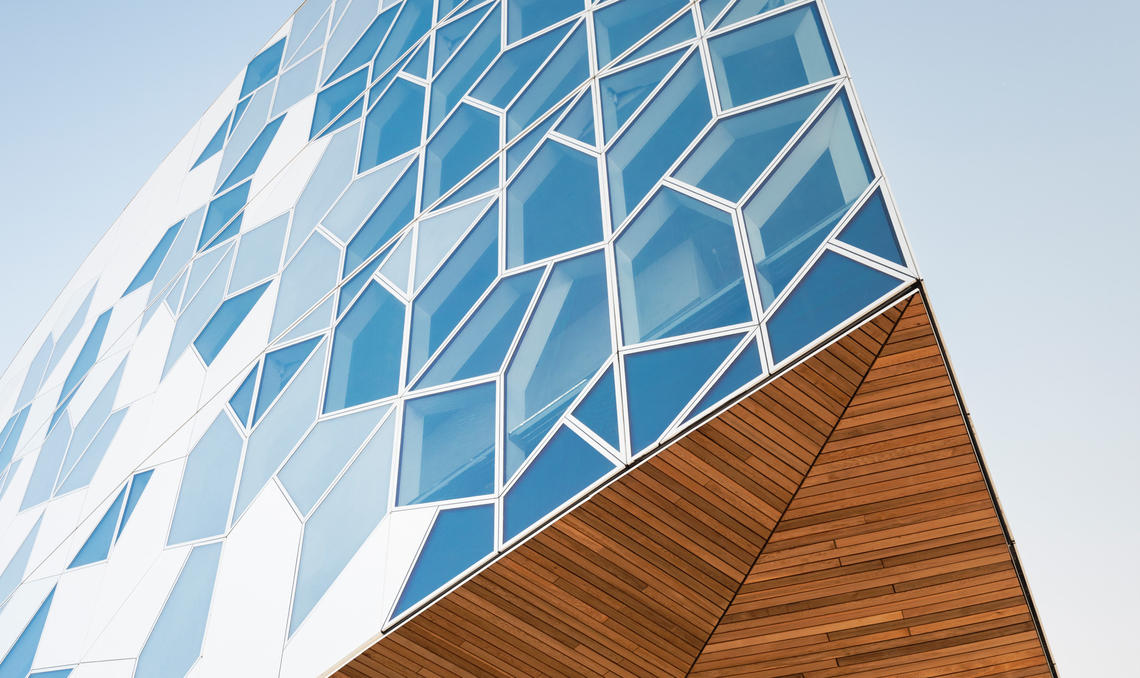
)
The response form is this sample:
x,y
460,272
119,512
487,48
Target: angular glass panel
x,y
91,422
214,144
150,266
98,544
831,292
397,268
468,138
564,344
449,36
745,9
553,205
85,469
325,186
772,56
309,21
225,322
254,154
438,234
679,270
418,64
20,656
459,538
223,218
334,99
414,20
519,150
259,253
295,84
317,320
242,400
305,280
393,126
738,149
365,363
359,200
624,91
679,31
661,382
365,48
11,436
341,523
393,213
799,203
562,469
657,136
87,355
138,484
448,449
514,67
14,570
464,68
239,111
351,114
175,642
744,368
486,180
567,69
34,377
47,464
711,8
352,286
620,25
202,269
278,368
579,122
525,17
350,43
481,345
263,68
204,498
871,230
598,410
250,117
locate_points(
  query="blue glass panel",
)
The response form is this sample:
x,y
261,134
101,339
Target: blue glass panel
x,y
562,469
207,488
326,184
86,357
11,436
138,484
391,215
69,333
305,280
799,203
525,17
657,136
393,126
623,92
242,399
620,25
553,205
32,380
514,67
365,363
239,111
259,253
223,216
201,269
175,642
745,9
353,285
661,382
263,67
350,21
482,343
19,658
738,149
459,538
99,543
254,154
449,36
679,31
225,322
334,99
871,230
85,469
309,21
579,122
58,673
295,84
47,464
598,410
448,449
519,150
563,346
215,144
150,266
468,138
365,48
91,422
414,20
418,64
744,368
567,69
831,292
199,311
317,320
14,570
711,8
278,368
486,180
351,114
772,56
397,268
459,74
679,270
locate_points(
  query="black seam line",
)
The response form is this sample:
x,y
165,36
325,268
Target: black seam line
x,y
850,400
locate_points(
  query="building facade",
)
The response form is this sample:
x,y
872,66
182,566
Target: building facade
x,y
506,337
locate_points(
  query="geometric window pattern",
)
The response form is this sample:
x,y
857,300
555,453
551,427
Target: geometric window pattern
x,y
437,269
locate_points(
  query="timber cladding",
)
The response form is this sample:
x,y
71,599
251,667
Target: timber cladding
x,y
836,522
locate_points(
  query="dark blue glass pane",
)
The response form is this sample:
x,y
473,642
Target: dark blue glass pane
x,y
225,322
365,48
86,357
467,139
562,469
461,72
414,20
598,409
353,285
392,214
99,543
744,369
621,24
263,68
215,144
567,69
253,156
278,369
138,484
514,67
661,382
525,17
418,64
579,122
871,230
365,363
20,656
150,266
622,92
221,215
459,538
242,399
393,126
332,100
832,291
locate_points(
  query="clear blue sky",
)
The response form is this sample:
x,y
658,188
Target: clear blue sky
x,y
1008,134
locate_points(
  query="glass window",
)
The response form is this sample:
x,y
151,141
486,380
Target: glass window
x,y
418,64
225,322
397,267
11,435
98,544
33,378
468,138
871,230
367,344
223,218
366,46
520,149
207,488
414,20
485,181
241,402
202,269
325,185
553,205
215,143
451,35
679,270
150,266
71,331
87,355
359,200
459,538
259,253
711,8
525,17
87,465
744,368
14,570
393,213
393,126
679,31
448,449
598,410
623,92
334,99
772,56
317,320
579,122
464,68
254,154
175,642
514,67
567,69
277,369
832,291
808,193
250,117
23,651
439,233
263,68
91,422
308,277
296,83
138,484
745,9
621,24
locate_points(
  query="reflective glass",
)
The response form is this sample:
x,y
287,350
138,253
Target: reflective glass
x,y
439,233
201,270
359,200
623,92
679,31
250,117
520,149
871,230
207,488
254,154
567,69
87,465
392,127
579,122
98,544
14,571
214,144
365,363
305,280
11,435
241,402
366,46
325,451
58,673
91,422
459,538
397,267
745,9
317,320
175,642
744,368
620,25
325,185
225,322
451,35
223,218
334,99
277,369
138,483
469,137
296,83
393,213
263,67
150,266
32,380
87,355
711,8
259,253
199,311
486,180
20,656
525,17
514,67
598,410
415,18
418,64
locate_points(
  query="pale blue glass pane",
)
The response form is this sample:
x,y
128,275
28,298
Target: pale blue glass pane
x,y
87,355
744,368
448,449
263,67
310,20
393,213
467,139
13,431
657,137
14,570
341,523
296,83
180,253
239,111
176,639
459,74
620,25
871,230
414,20
418,64
360,198
525,17
563,346
250,117
486,180
598,410
562,469
207,484
150,266
520,149
351,287
350,21
459,538
36,371
89,463
199,311
772,56
334,99
392,127
8,475
242,400
91,422
449,36
397,268
223,218
328,181
514,67
69,333
305,280
138,484
280,431
259,253
750,8
711,8
623,92
47,464
482,344
215,143
99,543
325,451
201,269
660,383
679,31
19,658
278,368
254,154
553,205
351,114
225,322
737,149
365,48
365,363
679,270
439,233
318,320
567,69
805,196
831,292
579,122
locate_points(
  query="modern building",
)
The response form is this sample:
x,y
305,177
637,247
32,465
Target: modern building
x,y
514,338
